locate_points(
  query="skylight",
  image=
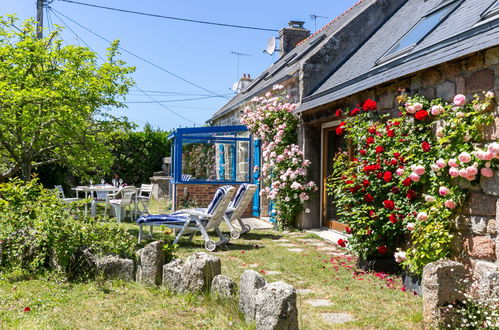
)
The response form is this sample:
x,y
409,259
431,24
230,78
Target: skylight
x,y
422,28
491,11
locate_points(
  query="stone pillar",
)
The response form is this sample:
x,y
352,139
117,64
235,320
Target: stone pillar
x,y
161,185
150,265
443,284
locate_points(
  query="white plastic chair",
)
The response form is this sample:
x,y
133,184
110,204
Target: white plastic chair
x,y
143,198
60,192
126,199
237,207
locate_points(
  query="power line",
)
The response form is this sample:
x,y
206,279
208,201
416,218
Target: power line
x,y
139,57
171,17
176,100
179,93
143,92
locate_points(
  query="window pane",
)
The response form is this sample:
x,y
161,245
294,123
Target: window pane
x,y
421,28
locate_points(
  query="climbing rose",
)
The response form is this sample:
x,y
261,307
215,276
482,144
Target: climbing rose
x,y
400,256
362,152
338,113
369,105
471,171
414,177
379,149
422,216
411,194
348,230
418,106
339,130
453,162
425,146
459,100
382,249
370,140
421,115
450,204
393,218
389,204
443,191
387,176
487,172
464,157
419,169
342,242
354,112
400,171
371,130
368,198
407,182
411,226
440,163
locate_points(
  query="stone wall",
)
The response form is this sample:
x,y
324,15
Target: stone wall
x,y
476,242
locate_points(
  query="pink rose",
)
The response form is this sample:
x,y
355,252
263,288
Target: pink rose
x,y
414,177
459,100
471,171
493,148
460,114
487,172
440,163
453,172
429,198
450,204
464,157
443,191
453,162
400,171
463,173
411,226
400,256
422,216
437,110
419,170
434,167
440,132
418,106
488,155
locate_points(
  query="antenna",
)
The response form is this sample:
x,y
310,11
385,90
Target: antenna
x,y
238,56
271,45
315,17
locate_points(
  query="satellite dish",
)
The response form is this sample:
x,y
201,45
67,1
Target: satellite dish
x,y
270,49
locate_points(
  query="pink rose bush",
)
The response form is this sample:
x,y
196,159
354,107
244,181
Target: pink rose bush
x,y
270,118
405,176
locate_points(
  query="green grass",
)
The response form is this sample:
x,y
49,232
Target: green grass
x,y
117,304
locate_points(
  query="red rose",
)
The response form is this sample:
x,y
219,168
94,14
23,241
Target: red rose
x,y
421,115
407,182
382,249
366,183
348,230
342,242
387,176
371,130
425,146
379,149
362,152
339,130
389,204
411,194
393,218
395,190
396,123
393,161
349,181
354,112
368,198
369,105
372,213
371,168
338,113
390,133
379,175
396,154
370,140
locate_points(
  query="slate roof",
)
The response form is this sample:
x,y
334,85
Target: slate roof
x,y
288,65
463,32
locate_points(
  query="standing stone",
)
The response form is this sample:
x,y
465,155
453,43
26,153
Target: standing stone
x,y
275,306
223,287
443,284
250,283
113,267
172,275
485,280
198,272
150,265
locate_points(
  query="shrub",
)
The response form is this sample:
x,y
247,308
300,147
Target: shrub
x,y
39,232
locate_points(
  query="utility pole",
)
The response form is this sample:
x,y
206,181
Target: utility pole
x,y
39,18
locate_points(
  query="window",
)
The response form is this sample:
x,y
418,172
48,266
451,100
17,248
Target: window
x,y
421,29
491,11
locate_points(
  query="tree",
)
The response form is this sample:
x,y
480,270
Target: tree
x,y
53,99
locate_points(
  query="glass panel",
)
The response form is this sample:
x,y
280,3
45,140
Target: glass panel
x,y
215,161
422,28
334,144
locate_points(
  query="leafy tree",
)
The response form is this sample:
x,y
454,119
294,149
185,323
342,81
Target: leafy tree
x,y
52,101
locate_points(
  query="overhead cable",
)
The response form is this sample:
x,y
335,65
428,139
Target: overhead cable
x,y
171,17
140,58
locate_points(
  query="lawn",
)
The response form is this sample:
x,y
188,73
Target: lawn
x,y
326,271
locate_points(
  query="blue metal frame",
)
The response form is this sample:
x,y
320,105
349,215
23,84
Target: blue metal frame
x,y
207,134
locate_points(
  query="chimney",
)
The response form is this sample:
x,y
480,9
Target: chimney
x,y
292,35
243,82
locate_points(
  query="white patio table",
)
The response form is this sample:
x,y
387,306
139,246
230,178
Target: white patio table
x,y
89,190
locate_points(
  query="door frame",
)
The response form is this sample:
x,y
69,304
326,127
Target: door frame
x,y
324,126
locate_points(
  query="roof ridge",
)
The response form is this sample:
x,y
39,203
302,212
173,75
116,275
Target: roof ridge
x,y
331,22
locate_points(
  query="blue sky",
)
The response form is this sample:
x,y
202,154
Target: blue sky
x,y
197,52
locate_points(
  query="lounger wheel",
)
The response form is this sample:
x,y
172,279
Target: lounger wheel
x,y
247,228
235,234
210,245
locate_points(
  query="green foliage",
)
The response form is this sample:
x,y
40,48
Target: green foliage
x,y
377,192
39,232
137,155
52,100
